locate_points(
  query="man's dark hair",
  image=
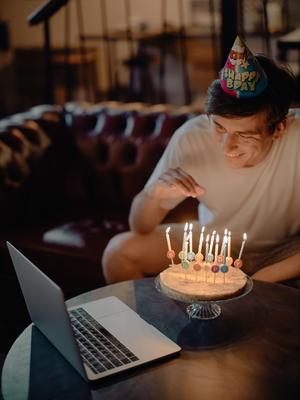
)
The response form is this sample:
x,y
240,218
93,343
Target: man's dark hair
x,y
275,99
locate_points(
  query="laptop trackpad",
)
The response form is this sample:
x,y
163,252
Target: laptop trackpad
x,y
143,339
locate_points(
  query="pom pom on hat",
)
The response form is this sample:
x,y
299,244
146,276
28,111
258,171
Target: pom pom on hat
x,y
242,76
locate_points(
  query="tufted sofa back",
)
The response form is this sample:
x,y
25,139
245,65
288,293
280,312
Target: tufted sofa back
x,y
56,159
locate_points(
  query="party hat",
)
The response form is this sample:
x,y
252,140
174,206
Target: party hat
x,y
242,76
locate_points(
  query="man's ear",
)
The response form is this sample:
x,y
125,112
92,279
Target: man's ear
x,y
279,130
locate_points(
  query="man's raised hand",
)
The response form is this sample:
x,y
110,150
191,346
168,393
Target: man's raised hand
x,y
173,183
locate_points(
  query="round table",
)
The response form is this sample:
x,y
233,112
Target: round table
x,y
252,351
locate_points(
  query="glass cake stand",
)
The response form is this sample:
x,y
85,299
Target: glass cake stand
x,y
205,309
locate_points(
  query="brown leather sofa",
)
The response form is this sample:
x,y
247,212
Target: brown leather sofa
x,y
67,178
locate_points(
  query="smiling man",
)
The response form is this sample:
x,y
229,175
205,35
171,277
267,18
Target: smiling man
x,y
249,143
241,161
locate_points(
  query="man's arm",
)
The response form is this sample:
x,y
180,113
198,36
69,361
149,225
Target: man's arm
x,y
147,209
145,213
280,271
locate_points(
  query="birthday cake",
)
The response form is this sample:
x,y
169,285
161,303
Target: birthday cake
x,y
196,285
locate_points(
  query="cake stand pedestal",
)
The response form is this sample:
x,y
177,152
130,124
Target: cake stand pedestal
x,y
205,309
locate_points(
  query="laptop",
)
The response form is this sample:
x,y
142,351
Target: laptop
x,y
98,338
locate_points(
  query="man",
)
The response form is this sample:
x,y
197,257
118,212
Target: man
x,y
241,161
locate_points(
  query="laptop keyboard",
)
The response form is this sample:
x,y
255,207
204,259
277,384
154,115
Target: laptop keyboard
x,y
99,349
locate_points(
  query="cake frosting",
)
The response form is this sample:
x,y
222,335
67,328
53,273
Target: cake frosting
x,y
201,285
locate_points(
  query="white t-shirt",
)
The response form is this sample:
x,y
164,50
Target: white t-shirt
x,y
263,200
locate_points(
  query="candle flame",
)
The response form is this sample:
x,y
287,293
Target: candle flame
x,y
229,233
191,227
186,226
225,231
245,236
207,238
217,239
203,229
168,229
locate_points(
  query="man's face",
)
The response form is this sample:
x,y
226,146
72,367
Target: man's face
x,y
245,140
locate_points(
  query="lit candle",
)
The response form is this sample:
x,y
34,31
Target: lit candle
x,y
191,237
229,244
225,247
223,241
212,239
224,267
185,247
184,235
206,247
217,247
170,252
243,245
225,235
201,239
168,238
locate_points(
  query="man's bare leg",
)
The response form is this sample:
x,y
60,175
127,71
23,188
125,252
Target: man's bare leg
x,y
131,255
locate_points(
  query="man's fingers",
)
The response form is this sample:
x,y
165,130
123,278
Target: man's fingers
x,y
173,182
192,186
176,178
182,181
196,187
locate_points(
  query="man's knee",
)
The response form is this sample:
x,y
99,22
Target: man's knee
x,y
118,251
116,246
